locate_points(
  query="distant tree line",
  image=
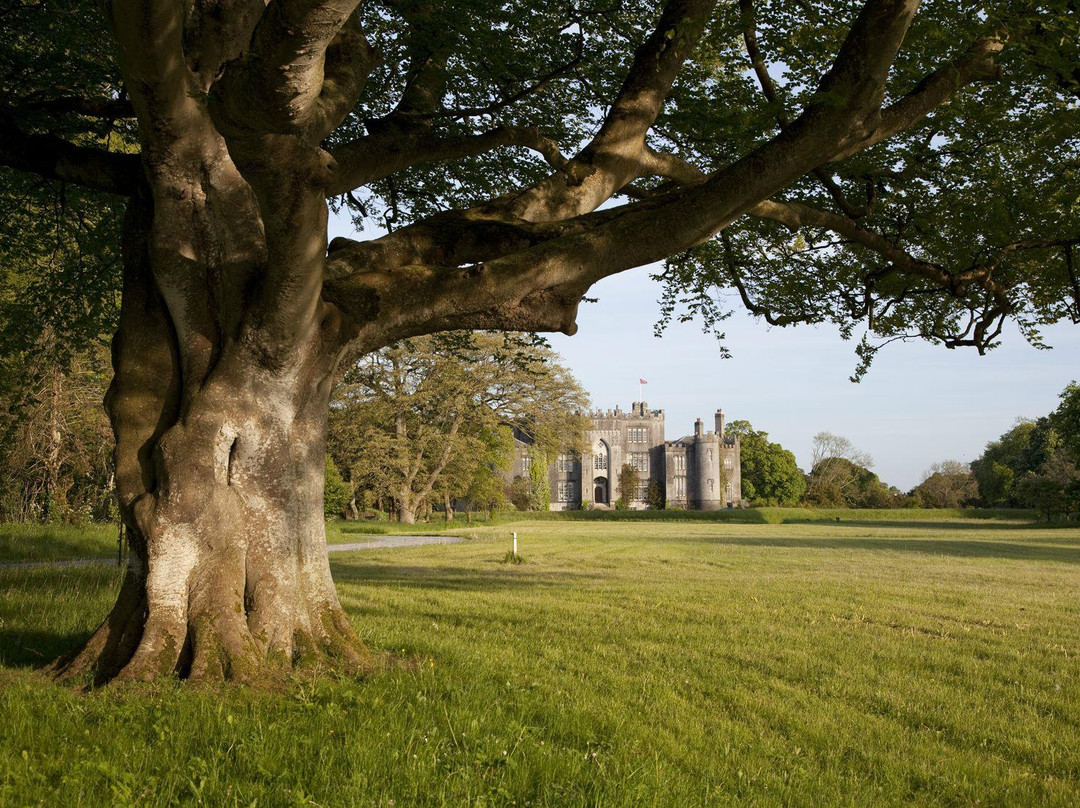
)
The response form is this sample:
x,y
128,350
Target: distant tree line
x,y
59,302
1036,463
55,442
437,431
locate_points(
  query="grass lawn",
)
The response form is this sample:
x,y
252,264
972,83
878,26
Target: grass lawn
x,y
54,542
625,663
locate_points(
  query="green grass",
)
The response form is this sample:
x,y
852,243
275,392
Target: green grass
x,y
54,542
641,663
777,516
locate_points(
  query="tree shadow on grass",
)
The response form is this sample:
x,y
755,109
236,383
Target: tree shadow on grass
x,y
36,649
464,579
912,524
960,548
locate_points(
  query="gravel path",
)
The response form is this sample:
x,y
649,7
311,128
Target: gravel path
x,y
375,543
378,542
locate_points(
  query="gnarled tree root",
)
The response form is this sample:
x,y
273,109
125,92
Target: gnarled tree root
x,y
136,644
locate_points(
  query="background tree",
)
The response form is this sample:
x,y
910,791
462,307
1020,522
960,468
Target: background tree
x,y
655,497
1053,488
836,482
59,278
1041,460
486,491
997,468
336,493
1018,453
629,480
55,443
539,482
519,493
949,484
770,475
1066,420
838,471
429,414
1036,463
892,145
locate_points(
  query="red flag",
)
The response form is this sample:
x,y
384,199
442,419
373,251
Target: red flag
x,y
642,381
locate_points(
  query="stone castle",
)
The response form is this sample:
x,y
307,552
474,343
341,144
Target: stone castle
x,y
701,471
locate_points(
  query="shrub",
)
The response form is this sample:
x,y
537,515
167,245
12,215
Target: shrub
x,y
336,494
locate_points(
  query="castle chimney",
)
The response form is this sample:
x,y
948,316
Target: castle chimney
x,y
699,427
720,423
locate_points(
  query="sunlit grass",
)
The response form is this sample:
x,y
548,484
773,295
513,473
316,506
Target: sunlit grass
x,y
622,664
51,542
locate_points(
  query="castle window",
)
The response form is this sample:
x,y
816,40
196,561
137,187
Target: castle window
x,y
600,462
680,486
710,455
642,492
729,463
565,491
637,434
680,463
526,463
639,461
712,485
565,462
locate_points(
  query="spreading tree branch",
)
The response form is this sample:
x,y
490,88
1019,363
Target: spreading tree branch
x,y
412,281
795,215
613,157
302,73
56,159
109,109
216,32
363,161
976,64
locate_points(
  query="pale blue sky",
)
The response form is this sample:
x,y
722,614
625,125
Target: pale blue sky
x,y
919,404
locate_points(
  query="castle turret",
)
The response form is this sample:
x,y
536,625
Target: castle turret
x,y
707,469
720,423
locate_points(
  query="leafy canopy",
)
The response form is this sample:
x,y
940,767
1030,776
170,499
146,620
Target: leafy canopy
x,y
964,219
770,475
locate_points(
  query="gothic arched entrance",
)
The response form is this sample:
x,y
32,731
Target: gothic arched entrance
x,y
600,490
601,453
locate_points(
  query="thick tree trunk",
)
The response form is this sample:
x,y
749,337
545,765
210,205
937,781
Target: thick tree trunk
x,y
406,508
221,491
50,502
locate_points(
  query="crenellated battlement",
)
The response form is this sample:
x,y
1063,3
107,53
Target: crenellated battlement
x,y
638,411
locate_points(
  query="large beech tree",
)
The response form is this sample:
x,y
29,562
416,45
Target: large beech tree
x,y
517,153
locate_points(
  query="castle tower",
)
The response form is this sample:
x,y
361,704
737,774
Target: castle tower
x,y
706,486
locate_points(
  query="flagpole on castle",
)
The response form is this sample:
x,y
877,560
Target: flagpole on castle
x,y
640,394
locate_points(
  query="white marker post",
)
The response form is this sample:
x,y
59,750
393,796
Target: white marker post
x,y
515,544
